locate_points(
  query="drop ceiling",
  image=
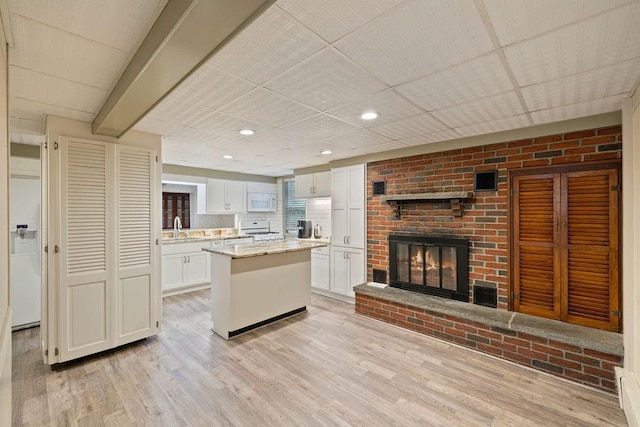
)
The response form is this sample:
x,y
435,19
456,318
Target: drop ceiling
x,y
302,73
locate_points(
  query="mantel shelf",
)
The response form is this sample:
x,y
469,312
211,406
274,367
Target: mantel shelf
x,y
427,196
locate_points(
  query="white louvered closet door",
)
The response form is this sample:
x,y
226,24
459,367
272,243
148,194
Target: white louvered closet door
x,y
85,243
137,309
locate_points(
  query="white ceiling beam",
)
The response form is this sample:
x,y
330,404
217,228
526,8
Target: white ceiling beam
x,y
185,35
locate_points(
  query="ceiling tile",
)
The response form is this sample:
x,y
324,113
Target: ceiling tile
x,y
387,103
325,81
33,110
478,78
363,138
116,23
586,45
46,89
195,136
224,129
418,38
172,156
159,127
581,109
481,110
266,107
444,135
332,19
270,45
412,126
61,54
278,138
271,171
321,126
212,88
498,125
179,111
601,83
514,21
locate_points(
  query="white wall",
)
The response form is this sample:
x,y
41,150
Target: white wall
x,y
629,376
5,309
276,219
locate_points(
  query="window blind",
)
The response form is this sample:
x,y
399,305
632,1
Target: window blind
x,y
294,209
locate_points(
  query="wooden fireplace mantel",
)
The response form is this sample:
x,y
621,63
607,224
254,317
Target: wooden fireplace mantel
x,y
456,198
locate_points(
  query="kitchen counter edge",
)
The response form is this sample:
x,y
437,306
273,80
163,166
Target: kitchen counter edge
x,y
259,249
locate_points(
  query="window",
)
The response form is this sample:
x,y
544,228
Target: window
x,y
294,209
173,205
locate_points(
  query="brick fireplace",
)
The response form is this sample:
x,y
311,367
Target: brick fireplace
x,y
482,221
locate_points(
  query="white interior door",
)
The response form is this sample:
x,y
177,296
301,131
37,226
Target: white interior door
x,y
24,206
84,248
138,284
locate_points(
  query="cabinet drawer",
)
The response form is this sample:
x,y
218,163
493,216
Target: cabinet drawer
x,y
321,251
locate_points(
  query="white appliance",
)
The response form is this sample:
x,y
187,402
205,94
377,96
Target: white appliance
x,y
261,202
25,251
261,231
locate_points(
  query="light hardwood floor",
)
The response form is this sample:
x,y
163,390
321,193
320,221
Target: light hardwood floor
x,y
325,367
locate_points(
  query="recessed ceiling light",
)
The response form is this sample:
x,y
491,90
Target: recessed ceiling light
x,y
325,152
227,156
246,132
369,115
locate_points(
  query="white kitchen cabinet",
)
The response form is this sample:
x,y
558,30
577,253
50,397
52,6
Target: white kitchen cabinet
x,y
348,207
313,185
226,196
185,265
348,270
101,227
320,268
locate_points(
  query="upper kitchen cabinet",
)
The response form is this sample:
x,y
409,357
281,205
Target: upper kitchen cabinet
x,y
226,196
313,185
348,206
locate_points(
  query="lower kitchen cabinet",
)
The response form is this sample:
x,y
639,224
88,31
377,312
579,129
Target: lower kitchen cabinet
x,y
320,268
348,269
185,265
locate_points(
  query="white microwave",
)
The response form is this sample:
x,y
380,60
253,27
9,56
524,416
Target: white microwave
x,y
261,202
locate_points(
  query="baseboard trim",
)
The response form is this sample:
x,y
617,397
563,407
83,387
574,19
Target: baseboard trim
x,y
5,369
629,391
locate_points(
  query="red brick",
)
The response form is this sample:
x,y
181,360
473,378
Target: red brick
x,y
610,130
547,139
455,332
504,346
518,358
466,328
605,356
582,359
601,373
583,378
580,134
533,354
598,140
609,385
564,346
532,338
544,349
565,363
489,349
489,334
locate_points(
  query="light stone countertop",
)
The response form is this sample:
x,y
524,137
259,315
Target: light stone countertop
x,y
171,240
267,248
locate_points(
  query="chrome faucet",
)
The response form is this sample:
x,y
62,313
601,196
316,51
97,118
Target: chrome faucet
x,y
177,226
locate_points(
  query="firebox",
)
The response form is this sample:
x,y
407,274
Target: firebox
x,y
431,265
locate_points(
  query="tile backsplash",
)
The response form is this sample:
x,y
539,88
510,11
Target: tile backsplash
x,y
275,218
319,212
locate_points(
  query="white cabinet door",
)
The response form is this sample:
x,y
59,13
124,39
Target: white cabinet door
x,y
320,271
357,270
322,185
216,202
304,186
339,213
172,274
236,196
197,268
356,206
138,294
339,270
85,278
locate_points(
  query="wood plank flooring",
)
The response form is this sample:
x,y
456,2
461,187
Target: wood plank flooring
x,y
326,367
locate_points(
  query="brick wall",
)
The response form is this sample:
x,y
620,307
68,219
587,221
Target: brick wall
x,y
484,222
577,364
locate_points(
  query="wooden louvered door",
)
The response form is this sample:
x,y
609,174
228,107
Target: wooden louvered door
x,y
565,245
536,244
137,289
84,276
589,247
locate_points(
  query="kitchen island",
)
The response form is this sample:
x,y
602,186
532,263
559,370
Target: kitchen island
x,y
253,285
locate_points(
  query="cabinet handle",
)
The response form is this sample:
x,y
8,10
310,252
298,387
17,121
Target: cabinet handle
x,y
189,258
311,190
344,240
184,259
348,255
344,255
348,240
